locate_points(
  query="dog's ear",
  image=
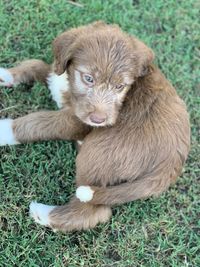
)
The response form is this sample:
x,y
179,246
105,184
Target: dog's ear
x,y
64,44
142,57
63,49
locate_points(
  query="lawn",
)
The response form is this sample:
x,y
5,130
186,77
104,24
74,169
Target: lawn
x,y
151,233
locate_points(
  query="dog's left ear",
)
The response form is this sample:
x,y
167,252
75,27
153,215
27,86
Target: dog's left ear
x,y
142,57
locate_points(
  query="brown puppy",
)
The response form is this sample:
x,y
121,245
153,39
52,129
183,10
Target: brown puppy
x,y
134,127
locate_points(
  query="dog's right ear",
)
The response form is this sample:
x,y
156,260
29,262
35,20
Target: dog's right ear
x,y
63,49
64,44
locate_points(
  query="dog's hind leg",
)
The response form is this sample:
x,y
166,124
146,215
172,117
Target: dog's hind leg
x,y
97,191
27,71
73,216
92,205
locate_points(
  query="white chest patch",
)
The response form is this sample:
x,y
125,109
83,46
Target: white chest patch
x,y
58,84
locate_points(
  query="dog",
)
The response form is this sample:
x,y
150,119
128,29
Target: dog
x,y
132,127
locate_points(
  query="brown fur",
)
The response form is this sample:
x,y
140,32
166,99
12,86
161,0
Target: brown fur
x,y
145,142
30,70
77,216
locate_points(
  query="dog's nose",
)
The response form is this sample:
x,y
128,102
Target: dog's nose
x,y
97,118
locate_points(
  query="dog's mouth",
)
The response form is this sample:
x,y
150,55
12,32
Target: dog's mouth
x,y
97,118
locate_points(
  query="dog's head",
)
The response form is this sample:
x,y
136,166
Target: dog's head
x,y
102,63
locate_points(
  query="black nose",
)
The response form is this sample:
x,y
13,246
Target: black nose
x,y
97,118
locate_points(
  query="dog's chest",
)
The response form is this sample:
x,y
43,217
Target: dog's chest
x,y
59,87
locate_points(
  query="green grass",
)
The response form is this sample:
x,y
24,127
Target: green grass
x,y
152,233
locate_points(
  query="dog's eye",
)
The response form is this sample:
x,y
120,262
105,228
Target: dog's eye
x,y
88,79
120,87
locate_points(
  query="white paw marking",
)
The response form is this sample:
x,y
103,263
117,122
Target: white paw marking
x,y
84,193
6,78
40,212
58,84
6,133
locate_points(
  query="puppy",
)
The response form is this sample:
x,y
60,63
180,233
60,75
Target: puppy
x,y
133,127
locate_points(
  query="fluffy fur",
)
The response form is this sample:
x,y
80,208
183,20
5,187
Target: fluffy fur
x,y
134,127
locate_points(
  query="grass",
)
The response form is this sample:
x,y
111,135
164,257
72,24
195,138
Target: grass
x,y
155,232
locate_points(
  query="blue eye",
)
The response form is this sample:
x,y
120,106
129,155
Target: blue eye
x,y
120,86
88,79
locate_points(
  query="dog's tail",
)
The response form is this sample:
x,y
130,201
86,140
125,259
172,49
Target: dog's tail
x,y
92,204
125,192
27,71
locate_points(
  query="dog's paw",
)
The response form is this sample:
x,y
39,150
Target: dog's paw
x,y
6,78
40,213
6,133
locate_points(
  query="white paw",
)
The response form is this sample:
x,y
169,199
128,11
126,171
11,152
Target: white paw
x,y
58,84
84,193
6,78
40,212
6,133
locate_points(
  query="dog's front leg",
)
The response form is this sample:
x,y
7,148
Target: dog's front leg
x,y
45,125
